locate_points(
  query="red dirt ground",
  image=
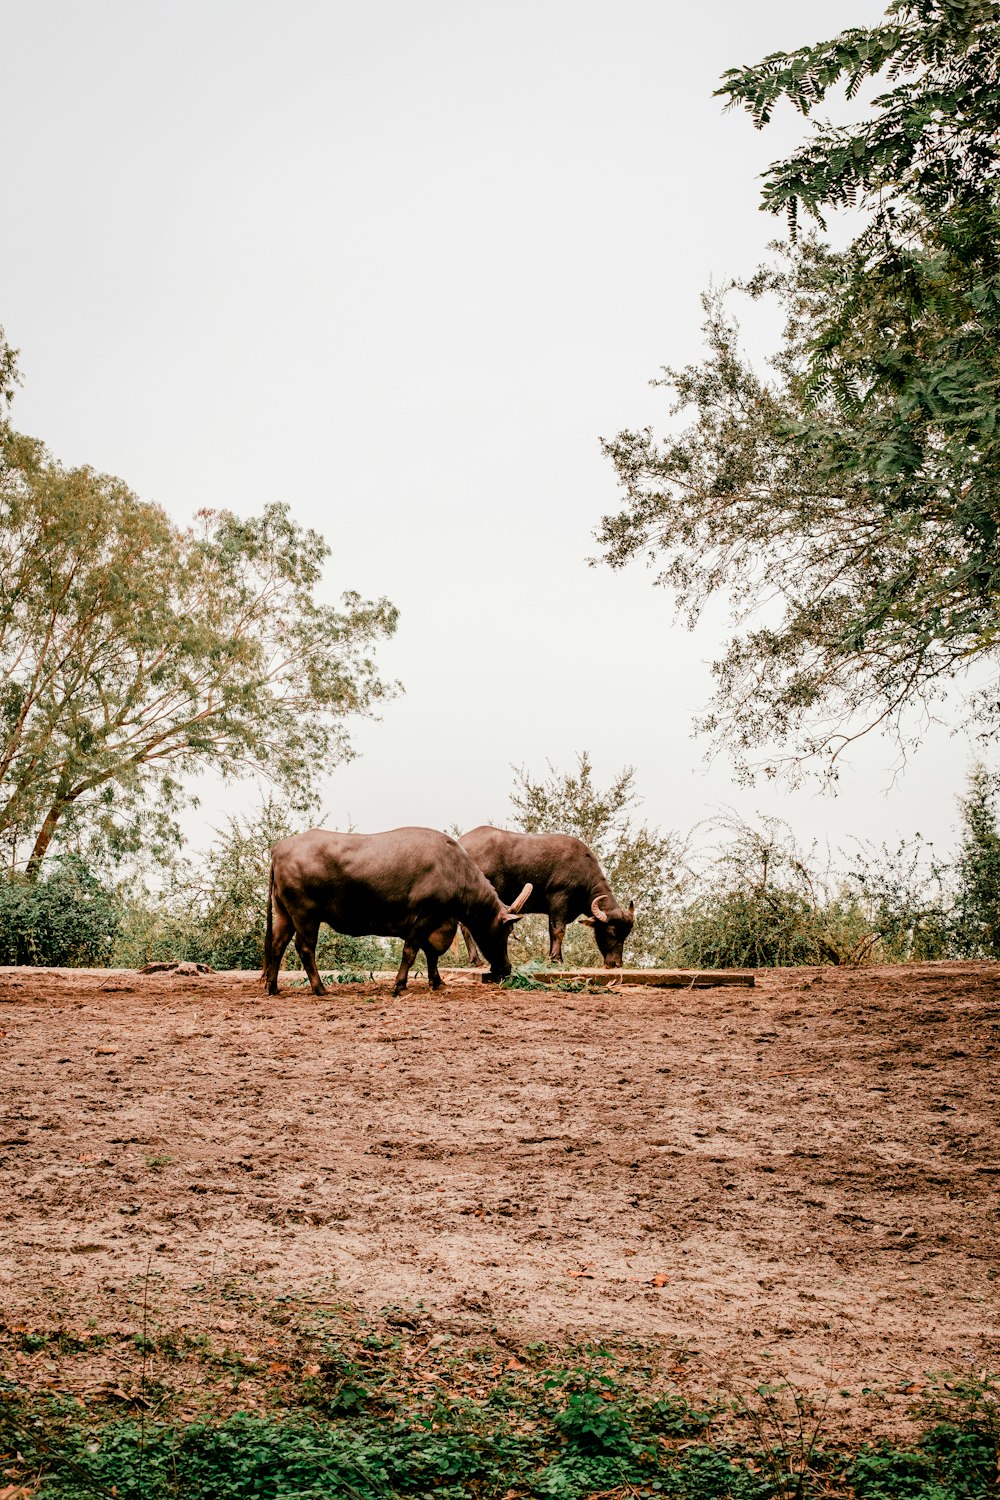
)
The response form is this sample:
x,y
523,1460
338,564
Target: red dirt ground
x,y
800,1177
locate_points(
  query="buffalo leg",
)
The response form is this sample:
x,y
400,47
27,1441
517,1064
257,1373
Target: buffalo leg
x,y
406,963
472,951
281,936
557,931
433,972
437,943
305,943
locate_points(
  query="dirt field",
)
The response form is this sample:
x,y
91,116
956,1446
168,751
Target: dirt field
x,y
800,1178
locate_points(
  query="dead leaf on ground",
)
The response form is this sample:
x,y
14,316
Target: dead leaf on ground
x,y
660,1279
584,1271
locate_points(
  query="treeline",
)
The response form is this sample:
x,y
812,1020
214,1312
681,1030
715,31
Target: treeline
x,y
731,893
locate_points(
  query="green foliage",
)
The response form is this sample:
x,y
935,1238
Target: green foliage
x,y
580,1447
535,975
758,929
949,1464
134,653
848,504
371,1429
9,378
594,1424
977,913
65,918
907,899
589,1448
761,901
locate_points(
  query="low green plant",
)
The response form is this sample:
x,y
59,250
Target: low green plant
x,y
365,1426
350,976
64,917
535,976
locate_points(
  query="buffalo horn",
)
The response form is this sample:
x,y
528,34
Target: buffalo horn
x,y
522,898
595,907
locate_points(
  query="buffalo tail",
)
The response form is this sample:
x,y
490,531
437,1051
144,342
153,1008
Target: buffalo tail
x,y
268,928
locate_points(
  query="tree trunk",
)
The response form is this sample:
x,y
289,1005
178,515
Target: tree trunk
x,y
45,835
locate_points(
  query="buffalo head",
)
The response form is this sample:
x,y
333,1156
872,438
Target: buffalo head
x,y
611,928
494,943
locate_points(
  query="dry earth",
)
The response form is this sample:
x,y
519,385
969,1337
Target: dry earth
x,y
800,1178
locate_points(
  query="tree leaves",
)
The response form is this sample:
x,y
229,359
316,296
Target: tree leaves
x,y
848,504
133,652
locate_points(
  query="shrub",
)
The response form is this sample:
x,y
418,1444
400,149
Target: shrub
x,y
977,904
65,917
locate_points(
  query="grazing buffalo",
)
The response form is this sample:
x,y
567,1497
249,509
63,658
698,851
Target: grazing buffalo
x,y
413,883
567,883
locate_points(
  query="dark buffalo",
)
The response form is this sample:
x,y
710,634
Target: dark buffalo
x,y
567,883
413,883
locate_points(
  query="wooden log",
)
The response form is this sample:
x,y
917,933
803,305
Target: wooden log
x,y
676,979
661,979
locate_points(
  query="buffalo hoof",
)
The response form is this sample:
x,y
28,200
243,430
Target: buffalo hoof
x,y
398,989
490,978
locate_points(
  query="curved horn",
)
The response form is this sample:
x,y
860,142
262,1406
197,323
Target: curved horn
x,y
595,907
515,906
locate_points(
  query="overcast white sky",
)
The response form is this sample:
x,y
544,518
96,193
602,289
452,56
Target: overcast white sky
x,y
401,264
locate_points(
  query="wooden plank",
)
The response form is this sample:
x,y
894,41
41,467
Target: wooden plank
x,y
697,979
677,979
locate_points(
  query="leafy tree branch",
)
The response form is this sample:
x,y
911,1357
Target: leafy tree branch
x,y
847,503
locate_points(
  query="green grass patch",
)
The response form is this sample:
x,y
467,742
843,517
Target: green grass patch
x,y
360,1430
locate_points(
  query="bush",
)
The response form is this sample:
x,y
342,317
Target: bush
x,y
63,918
753,929
977,905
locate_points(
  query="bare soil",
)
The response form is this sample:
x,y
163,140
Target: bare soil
x,y
797,1181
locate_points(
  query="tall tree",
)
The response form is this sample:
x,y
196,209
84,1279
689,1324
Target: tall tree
x,y
134,652
853,493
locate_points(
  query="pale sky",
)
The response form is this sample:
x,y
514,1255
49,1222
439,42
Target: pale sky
x,y
401,265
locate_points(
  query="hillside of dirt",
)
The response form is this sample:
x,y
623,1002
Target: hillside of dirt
x,y
798,1178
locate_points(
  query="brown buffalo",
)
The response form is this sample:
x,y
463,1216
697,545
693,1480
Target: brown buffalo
x,y
566,883
412,883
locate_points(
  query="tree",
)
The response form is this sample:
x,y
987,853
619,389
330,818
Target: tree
x,y
134,652
849,503
8,378
640,862
977,870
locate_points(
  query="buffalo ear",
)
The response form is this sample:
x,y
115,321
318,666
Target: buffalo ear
x,y
586,921
514,916
631,911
